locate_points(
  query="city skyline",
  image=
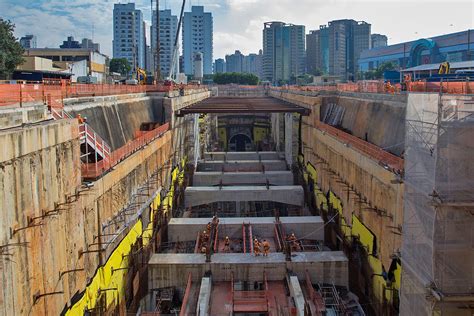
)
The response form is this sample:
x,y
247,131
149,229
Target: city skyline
x,y
93,19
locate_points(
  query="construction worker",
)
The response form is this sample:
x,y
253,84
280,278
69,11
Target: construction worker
x,y
293,242
256,247
266,247
227,244
80,119
204,237
215,220
388,86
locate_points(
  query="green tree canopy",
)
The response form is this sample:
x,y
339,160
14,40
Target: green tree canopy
x,y
237,78
11,51
378,73
120,65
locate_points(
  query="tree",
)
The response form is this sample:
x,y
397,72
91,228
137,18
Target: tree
x,y
237,78
120,65
378,73
11,51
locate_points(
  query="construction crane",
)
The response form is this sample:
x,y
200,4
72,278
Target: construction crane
x,y
175,59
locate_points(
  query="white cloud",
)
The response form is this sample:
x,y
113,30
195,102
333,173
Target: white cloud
x,y
238,23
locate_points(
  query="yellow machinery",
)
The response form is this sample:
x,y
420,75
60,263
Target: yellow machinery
x,y
444,68
141,76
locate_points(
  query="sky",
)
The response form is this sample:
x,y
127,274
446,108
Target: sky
x,y
238,24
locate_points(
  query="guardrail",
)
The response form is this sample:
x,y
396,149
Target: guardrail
x,y
95,170
54,94
447,87
394,163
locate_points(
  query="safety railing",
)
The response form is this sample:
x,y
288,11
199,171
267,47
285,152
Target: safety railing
x,y
394,163
54,94
95,170
88,136
446,87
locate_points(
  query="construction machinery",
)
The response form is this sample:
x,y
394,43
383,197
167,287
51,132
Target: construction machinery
x,y
141,76
175,59
444,68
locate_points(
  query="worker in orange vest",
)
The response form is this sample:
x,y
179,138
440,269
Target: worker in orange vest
x,y
256,247
227,244
266,247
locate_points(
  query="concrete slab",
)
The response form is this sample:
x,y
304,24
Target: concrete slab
x,y
173,269
262,155
186,229
288,194
242,178
242,165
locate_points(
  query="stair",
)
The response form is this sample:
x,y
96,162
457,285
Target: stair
x,y
100,149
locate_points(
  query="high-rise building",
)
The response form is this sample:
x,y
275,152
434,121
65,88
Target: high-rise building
x,y
28,41
197,37
317,51
283,51
312,52
378,40
253,64
129,34
347,39
168,29
220,66
87,43
234,62
70,43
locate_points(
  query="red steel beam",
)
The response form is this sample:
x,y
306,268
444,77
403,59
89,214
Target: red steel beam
x,y
186,296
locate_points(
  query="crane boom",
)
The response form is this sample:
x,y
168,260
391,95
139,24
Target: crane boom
x,y
176,44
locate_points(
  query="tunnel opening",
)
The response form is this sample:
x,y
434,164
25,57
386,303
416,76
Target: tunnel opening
x,y
240,143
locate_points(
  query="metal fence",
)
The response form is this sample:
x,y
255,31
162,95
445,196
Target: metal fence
x,y
447,87
53,93
95,170
392,162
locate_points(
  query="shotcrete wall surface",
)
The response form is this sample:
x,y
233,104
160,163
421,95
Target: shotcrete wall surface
x,y
379,119
41,176
117,118
357,186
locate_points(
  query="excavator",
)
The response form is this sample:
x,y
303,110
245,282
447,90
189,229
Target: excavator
x,y
444,68
141,76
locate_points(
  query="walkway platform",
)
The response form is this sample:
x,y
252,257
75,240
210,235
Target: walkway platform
x,y
242,178
288,194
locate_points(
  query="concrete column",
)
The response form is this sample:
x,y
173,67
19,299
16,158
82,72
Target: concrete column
x,y
289,138
296,293
202,308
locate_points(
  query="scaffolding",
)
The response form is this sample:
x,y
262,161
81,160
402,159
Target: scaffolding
x,y
438,244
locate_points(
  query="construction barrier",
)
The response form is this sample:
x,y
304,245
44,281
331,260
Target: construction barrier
x,y
447,87
53,93
391,161
95,170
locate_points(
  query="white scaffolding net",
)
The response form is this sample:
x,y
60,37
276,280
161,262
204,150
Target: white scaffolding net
x,y
438,229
